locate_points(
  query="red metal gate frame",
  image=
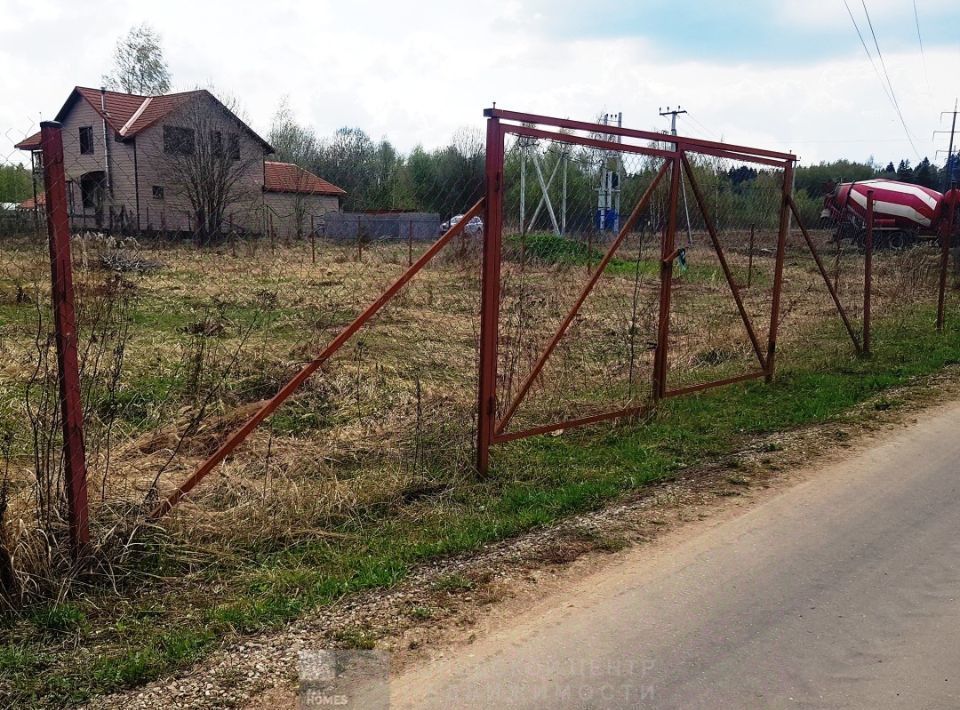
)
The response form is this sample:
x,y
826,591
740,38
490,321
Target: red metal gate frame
x,y
489,430
268,407
501,122
65,324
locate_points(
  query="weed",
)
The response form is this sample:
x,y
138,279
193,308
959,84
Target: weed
x,y
453,584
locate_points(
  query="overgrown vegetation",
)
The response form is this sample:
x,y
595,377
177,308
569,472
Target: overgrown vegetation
x,y
366,473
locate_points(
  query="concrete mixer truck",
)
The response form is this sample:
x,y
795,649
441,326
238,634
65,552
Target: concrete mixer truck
x,y
904,214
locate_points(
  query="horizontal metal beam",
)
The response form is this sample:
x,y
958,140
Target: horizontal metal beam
x,y
695,143
573,423
592,142
680,391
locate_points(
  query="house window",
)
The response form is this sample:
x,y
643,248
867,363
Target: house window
x,y
86,140
216,143
233,146
178,141
92,190
158,192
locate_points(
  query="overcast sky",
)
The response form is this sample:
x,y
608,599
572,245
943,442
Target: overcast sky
x,y
770,73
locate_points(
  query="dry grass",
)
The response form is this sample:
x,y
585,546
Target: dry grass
x,y
179,354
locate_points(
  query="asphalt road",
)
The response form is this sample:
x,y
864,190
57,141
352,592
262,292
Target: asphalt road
x,y
839,592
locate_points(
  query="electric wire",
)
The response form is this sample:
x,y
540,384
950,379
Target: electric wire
x,y
883,65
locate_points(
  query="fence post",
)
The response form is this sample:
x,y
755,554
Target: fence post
x,y
490,295
666,279
782,233
753,229
65,322
867,274
946,242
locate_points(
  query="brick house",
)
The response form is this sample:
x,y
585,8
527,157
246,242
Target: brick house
x,y
178,163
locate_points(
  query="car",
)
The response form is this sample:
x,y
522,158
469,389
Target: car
x,y
474,227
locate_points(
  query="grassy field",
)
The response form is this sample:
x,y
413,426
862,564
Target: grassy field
x,y
366,472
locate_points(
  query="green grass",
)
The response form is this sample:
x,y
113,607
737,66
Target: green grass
x,y
562,250
535,482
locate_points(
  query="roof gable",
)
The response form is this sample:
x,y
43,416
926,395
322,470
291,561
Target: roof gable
x,y
287,177
130,114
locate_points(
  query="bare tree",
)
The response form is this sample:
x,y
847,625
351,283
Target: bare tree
x,y
138,64
205,166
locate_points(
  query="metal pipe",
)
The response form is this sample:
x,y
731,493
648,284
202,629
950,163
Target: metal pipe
x,y
572,313
698,144
572,423
106,142
782,234
711,230
666,286
61,273
826,278
680,391
868,274
238,436
490,294
946,241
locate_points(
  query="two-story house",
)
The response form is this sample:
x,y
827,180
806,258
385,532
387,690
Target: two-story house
x,y
179,163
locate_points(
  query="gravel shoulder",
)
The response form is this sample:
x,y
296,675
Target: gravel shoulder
x,y
446,606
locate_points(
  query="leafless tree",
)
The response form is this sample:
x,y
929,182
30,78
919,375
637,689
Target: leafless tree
x,y
138,64
205,166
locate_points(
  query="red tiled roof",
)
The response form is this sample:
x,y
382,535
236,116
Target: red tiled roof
x,y
29,204
129,114
287,177
117,107
154,109
29,143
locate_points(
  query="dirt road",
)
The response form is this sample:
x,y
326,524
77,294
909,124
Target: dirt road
x,y
841,591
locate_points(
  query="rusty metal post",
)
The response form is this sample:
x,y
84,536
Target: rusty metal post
x,y
782,234
867,274
946,240
490,297
841,311
61,273
753,229
666,282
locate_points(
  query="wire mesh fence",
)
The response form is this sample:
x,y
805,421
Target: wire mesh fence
x,y
188,322
209,277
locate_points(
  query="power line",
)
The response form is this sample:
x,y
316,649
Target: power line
x,y
883,64
923,55
866,49
703,128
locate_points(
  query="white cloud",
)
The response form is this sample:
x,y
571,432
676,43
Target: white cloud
x,y
416,72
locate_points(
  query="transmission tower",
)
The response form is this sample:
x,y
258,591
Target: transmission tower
x,y
611,168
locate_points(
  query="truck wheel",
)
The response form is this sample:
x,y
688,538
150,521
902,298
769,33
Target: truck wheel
x,y
898,241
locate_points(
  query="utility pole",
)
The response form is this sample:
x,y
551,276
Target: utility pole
x,y
949,170
673,113
673,117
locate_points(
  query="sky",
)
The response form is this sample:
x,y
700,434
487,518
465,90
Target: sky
x,y
778,74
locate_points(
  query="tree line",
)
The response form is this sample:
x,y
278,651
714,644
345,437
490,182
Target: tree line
x,y
15,183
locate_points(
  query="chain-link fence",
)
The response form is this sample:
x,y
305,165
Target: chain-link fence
x,y
292,364
204,283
